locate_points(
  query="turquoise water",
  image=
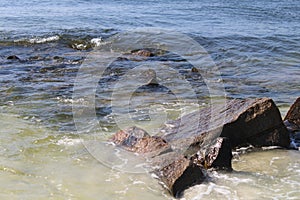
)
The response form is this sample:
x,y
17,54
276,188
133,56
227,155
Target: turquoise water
x,y
253,44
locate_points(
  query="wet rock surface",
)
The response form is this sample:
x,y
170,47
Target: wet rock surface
x,y
185,148
219,155
251,121
292,122
143,52
293,115
259,123
175,171
137,140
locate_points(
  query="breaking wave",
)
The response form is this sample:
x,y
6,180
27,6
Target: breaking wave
x,y
38,40
75,39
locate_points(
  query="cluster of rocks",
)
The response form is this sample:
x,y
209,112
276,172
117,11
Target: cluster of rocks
x,y
176,153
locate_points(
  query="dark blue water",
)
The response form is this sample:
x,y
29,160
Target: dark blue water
x,y
207,18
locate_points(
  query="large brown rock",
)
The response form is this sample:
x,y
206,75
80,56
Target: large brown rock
x,y
138,140
258,124
175,171
184,148
293,115
219,155
292,122
251,121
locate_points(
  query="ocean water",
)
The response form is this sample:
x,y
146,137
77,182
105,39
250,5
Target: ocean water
x,y
249,49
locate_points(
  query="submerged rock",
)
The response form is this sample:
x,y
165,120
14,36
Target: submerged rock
x,y
138,140
36,58
13,57
143,52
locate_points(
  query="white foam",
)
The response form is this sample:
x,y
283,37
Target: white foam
x,y
69,141
97,41
44,40
66,100
10,103
79,46
122,191
39,40
209,190
138,183
233,179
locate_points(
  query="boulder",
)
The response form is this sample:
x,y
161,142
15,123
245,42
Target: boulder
x,y
293,115
175,171
254,122
292,122
258,124
184,148
178,172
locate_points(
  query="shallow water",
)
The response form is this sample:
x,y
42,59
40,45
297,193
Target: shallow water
x,y
37,163
258,175
254,45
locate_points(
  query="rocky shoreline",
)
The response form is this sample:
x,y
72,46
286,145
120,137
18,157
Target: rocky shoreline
x,y
184,149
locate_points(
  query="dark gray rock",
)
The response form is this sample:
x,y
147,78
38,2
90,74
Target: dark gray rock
x,y
219,156
13,57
